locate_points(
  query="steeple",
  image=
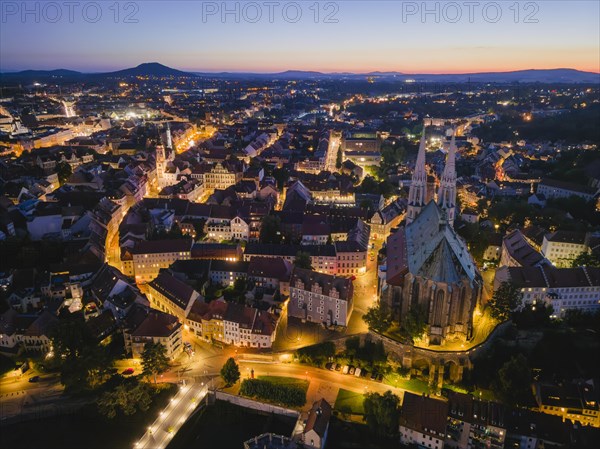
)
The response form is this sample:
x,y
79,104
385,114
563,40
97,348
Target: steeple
x,y
169,138
418,186
447,192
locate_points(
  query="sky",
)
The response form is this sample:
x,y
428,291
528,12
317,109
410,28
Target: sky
x,y
270,36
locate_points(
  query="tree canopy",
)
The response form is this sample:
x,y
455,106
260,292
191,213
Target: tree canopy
x,y
303,260
513,382
378,318
154,359
382,413
126,399
506,298
230,372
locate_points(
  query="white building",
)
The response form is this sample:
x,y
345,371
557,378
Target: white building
x,y
562,288
562,247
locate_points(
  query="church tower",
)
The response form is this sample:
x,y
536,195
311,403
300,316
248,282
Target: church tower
x,y
418,187
169,138
447,192
161,164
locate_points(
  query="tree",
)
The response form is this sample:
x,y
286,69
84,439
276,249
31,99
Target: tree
x,y
270,229
303,260
382,413
586,260
415,322
230,372
64,171
84,363
378,318
154,359
338,159
126,399
505,299
513,382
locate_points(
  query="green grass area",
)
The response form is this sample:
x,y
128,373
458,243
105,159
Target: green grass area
x,y
413,385
350,400
287,381
81,429
224,425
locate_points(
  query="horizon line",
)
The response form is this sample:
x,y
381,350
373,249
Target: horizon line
x,y
335,72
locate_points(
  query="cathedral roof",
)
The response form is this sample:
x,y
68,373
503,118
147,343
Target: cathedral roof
x,y
433,249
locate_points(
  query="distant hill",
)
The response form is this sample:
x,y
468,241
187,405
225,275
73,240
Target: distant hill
x,y
155,69
147,69
521,76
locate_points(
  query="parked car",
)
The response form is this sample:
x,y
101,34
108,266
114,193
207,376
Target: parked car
x,y
345,369
380,378
357,372
351,370
364,373
374,375
34,379
328,365
333,366
338,368
128,371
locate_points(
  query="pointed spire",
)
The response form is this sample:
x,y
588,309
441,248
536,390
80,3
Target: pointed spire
x,y
447,192
418,185
169,138
420,164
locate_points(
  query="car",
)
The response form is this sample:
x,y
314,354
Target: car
x,y
333,366
357,372
187,344
328,365
127,371
338,368
364,373
374,375
380,378
351,370
34,379
345,369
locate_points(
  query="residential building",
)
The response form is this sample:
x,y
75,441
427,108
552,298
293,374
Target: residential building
x,y
562,247
316,429
155,327
423,421
320,297
552,188
149,256
518,252
171,295
576,402
562,288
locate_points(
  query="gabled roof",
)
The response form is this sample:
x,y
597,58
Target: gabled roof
x,y
434,250
318,418
157,324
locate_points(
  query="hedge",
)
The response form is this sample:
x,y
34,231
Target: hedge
x,y
289,395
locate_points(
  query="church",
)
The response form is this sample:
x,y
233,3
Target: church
x,y
428,267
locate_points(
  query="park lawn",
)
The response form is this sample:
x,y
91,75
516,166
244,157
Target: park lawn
x,y
413,385
350,399
287,381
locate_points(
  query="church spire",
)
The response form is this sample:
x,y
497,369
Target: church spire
x,y
418,186
169,137
447,192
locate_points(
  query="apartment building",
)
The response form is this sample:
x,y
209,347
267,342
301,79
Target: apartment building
x,y
562,247
149,256
320,297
